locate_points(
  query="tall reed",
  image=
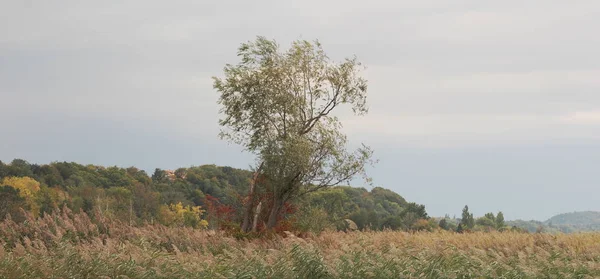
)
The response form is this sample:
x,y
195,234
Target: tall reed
x,y
74,245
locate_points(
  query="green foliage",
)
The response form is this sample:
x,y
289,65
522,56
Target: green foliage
x,y
467,221
490,216
378,209
3,169
490,222
19,168
130,195
280,105
314,219
11,203
443,224
500,220
122,193
460,228
486,222
159,176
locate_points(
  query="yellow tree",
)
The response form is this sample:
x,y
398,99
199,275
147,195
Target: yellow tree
x,y
180,215
28,189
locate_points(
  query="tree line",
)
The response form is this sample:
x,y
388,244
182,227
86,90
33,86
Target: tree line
x,y
213,197
205,196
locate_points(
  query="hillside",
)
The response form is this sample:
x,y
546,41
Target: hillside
x,y
585,221
181,197
584,218
215,195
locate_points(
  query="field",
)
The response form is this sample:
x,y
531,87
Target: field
x,y
71,245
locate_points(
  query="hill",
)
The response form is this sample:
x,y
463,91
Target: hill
x,y
584,218
584,221
182,196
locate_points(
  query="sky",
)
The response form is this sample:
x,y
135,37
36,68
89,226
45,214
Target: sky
x,y
490,104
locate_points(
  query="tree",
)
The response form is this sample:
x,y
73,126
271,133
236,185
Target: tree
x,y
50,175
145,201
139,175
467,220
19,168
459,229
66,169
278,105
181,216
180,173
500,220
393,223
28,190
159,175
10,203
444,224
3,170
116,176
50,199
418,209
490,216
333,201
119,203
486,222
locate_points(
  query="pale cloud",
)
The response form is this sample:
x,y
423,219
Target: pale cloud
x,y
472,130
582,117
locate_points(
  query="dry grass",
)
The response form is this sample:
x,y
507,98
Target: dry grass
x,y
73,246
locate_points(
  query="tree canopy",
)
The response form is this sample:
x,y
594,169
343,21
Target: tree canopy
x,y
279,106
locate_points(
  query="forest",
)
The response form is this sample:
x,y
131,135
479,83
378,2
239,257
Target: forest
x,y
207,197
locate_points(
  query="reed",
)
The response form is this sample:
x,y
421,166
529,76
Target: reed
x,y
74,245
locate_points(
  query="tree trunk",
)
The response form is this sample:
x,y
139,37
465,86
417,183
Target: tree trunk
x,y
256,215
131,212
275,210
246,223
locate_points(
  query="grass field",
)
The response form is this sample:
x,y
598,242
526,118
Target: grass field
x,y
72,246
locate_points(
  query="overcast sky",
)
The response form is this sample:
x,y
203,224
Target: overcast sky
x,y
494,104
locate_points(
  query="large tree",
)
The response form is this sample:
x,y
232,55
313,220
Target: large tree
x,y
279,106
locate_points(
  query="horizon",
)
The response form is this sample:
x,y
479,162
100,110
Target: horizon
x,y
490,105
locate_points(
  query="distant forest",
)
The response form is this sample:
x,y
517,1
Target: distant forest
x,y
205,196
213,197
